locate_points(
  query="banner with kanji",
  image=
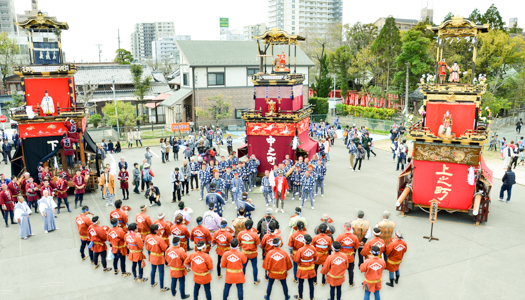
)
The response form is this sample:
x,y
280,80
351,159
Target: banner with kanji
x,y
275,129
303,125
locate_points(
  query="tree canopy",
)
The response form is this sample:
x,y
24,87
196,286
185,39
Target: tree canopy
x,y
215,108
123,57
126,113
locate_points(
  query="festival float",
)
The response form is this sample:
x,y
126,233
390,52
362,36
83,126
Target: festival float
x,y
278,124
447,164
49,100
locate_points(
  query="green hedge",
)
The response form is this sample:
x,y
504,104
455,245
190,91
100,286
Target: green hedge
x,y
320,105
369,112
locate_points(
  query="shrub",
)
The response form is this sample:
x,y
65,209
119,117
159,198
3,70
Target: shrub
x,y
95,120
369,112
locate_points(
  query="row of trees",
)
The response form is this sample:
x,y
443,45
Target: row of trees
x,y
374,61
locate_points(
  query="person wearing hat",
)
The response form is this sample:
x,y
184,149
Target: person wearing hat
x,y
156,246
277,263
211,219
147,175
307,184
46,206
116,237
280,188
204,178
376,241
295,219
201,264
107,184
135,244
227,178
305,259
334,268
229,144
349,245
164,228
175,257
222,238
148,155
98,237
218,181
233,262
62,186
143,222
237,188
249,240
247,205
322,243
201,233
32,193
395,251
83,222
373,268
295,242
22,212
330,228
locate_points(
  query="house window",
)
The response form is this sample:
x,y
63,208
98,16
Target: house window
x,y
293,28
293,22
185,79
215,78
252,71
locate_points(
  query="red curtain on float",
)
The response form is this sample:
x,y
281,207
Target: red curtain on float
x,y
57,88
308,144
445,182
260,146
463,115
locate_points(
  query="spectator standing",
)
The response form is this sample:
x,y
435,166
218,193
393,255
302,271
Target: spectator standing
x,y
137,138
509,179
130,139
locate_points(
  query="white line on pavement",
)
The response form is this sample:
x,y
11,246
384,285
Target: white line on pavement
x,y
154,153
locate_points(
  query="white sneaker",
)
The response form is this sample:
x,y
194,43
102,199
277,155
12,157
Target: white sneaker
x,y
277,210
315,195
358,170
313,207
353,170
111,204
108,205
301,206
293,198
267,204
322,195
150,205
501,200
282,211
45,231
200,199
297,193
254,186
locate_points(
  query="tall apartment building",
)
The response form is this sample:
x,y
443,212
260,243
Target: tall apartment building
x,y
299,16
251,30
427,14
166,47
8,16
145,33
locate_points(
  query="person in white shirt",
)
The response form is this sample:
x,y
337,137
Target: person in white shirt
x,y
22,212
46,206
507,155
327,149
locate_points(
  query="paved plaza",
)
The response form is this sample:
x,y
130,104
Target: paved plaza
x,y
468,262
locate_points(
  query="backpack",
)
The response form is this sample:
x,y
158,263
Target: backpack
x,y
265,226
146,176
177,147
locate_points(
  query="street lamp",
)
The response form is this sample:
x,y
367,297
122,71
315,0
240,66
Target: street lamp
x,y
115,101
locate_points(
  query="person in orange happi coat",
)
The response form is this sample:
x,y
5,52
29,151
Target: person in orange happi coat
x,y
175,256
334,268
233,262
306,257
98,236
79,182
277,263
164,228
143,222
107,184
201,264
249,240
376,241
267,241
32,191
117,238
121,216
373,268
135,245
295,242
156,245
349,245
222,239
322,243
83,223
181,231
201,233
395,251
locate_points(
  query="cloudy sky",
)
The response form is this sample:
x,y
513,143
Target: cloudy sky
x,y
98,21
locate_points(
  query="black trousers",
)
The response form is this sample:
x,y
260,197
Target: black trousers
x,y
196,178
185,185
514,162
333,289
122,259
323,276
102,255
358,160
310,285
124,193
351,273
176,193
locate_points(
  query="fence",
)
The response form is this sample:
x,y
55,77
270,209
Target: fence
x,y
373,124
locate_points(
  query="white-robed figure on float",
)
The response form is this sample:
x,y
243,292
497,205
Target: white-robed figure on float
x,y
22,212
446,127
47,105
46,206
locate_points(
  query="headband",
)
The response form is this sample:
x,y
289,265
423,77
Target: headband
x,y
201,247
377,234
376,253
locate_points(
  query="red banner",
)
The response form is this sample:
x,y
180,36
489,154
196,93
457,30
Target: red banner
x,y
41,129
57,89
463,115
303,125
445,182
275,129
180,127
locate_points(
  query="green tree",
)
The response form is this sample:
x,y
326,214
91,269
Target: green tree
x,y
320,105
496,104
18,100
448,17
493,17
123,57
126,113
215,108
95,119
476,17
363,67
359,36
387,47
415,52
323,83
8,50
339,61
142,85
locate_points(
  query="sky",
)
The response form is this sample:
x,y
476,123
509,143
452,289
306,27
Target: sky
x,y
98,21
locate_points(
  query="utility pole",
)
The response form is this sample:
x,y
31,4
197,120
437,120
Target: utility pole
x,y
116,111
118,38
99,52
405,111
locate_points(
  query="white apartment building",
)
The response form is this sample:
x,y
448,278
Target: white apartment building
x,y
300,16
232,35
7,16
253,30
144,35
165,47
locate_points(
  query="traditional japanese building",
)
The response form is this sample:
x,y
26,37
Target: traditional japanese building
x,y
48,87
278,124
447,164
